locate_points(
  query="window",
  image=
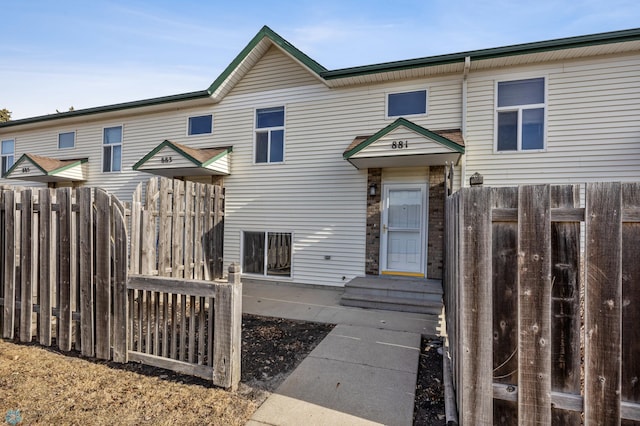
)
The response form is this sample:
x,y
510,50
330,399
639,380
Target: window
x,y
7,152
520,115
112,149
407,103
66,140
200,125
266,253
270,135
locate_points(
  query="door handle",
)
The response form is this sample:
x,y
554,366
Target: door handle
x,y
384,227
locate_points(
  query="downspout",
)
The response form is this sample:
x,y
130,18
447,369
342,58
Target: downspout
x,y
463,162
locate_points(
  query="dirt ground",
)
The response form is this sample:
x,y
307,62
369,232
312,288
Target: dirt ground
x,y
48,387
429,403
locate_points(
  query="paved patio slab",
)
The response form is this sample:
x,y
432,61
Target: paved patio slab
x,y
357,375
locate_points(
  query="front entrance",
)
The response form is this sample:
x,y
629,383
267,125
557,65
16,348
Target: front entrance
x,y
404,223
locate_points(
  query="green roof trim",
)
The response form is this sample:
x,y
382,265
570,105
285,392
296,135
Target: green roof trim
x,y
409,125
476,55
109,108
180,151
276,39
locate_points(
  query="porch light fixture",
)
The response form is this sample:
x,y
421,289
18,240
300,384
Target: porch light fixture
x,y
372,189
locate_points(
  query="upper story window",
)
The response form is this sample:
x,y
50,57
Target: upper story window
x,y
66,140
407,103
520,111
112,149
200,125
269,146
7,154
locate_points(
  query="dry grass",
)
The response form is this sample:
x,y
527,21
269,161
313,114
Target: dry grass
x,y
50,388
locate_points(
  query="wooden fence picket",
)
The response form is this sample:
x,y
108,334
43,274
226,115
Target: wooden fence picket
x,y
9,262
603,297
534,294
103,275
46,266
26,265
85,207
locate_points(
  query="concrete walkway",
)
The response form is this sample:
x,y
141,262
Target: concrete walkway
x,y
364,372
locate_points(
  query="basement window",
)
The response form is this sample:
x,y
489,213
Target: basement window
x,y
267,253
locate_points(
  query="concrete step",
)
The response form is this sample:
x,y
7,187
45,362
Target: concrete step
x,y
401,304
394,293
412,285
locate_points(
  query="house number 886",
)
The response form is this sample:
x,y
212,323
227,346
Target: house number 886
x,y
399,144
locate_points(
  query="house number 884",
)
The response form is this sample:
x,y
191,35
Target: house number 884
x,y
399,144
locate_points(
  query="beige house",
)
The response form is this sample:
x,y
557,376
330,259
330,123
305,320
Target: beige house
x,y
334,174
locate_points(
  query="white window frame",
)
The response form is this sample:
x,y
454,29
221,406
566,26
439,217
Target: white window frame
x,y
121,144
519,109
74,139
265,254
420,114
199,134
257,130
3,156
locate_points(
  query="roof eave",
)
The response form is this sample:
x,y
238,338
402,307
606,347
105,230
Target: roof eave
x,y
201,94
491,53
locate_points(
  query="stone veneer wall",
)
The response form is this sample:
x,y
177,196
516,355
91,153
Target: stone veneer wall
x,y
435,246
374,206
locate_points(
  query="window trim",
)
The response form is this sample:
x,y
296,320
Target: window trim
x,y
74,139
269,130
121,149
421,114
519,109
199,134
2,156
264,275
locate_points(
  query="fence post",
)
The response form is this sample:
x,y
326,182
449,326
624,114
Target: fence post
x,y
228,332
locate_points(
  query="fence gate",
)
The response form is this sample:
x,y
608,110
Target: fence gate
x,y
541,330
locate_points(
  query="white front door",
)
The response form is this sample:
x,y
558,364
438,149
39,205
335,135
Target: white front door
x,y
403,237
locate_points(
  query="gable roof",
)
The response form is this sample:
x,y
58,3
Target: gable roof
x,y
199,161
405,144
48,167
252,53
454,141
580,46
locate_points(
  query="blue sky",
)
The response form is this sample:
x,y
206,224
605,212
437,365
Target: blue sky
x,y
57,54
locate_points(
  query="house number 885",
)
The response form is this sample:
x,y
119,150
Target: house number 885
x,y
399,144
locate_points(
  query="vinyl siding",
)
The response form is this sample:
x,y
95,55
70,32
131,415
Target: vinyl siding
x,y
140,134
315,194
593,125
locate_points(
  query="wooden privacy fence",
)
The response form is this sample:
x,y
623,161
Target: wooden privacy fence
x,y
64,277
64,260
541,330
178,230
